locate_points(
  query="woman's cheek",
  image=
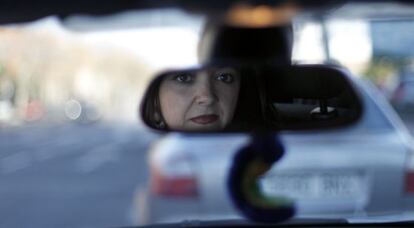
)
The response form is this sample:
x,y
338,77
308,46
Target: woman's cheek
x,y
232,96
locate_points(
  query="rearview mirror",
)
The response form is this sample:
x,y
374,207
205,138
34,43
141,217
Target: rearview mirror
x,y
242,98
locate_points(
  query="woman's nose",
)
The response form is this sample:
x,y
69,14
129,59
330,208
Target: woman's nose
x,y
205,95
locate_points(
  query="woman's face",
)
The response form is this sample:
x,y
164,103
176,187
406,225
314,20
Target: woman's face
x,y
199,101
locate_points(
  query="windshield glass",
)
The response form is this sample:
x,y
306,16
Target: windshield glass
x,y
74,152
71,143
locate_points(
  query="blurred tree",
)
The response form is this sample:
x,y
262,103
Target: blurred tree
x,y
382,68
52,68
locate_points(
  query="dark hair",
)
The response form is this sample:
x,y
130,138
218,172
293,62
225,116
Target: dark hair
x,y
151,109
250,108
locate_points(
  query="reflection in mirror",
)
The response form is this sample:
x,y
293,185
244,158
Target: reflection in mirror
x,y
234,98
193,100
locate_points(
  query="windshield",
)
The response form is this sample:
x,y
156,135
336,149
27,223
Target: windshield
x,y
74,152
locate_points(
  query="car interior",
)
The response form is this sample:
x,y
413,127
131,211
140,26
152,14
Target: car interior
x,y
311,97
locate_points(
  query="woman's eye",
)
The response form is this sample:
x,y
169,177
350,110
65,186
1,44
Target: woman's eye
x,y
225,77
184,78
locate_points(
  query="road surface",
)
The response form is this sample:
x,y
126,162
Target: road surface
x,y
70,175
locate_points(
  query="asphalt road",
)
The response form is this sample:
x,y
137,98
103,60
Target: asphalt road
x,y
69,175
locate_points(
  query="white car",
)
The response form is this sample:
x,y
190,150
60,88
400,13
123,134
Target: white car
x,y
361,173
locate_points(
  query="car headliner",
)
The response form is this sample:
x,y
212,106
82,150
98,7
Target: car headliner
x,y
16,11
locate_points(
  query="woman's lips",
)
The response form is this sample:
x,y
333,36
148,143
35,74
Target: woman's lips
x,y
205,119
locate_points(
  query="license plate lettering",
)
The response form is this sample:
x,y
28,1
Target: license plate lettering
x,y
316,185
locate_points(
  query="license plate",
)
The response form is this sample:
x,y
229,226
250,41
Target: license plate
x,y
316,185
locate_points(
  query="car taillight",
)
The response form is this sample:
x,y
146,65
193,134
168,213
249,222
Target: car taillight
x,y
174,177
398,94
409,174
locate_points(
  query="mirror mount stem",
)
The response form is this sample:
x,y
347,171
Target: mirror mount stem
x,y
324,106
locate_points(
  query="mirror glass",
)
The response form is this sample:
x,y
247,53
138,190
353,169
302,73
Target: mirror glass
x,y
229,98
